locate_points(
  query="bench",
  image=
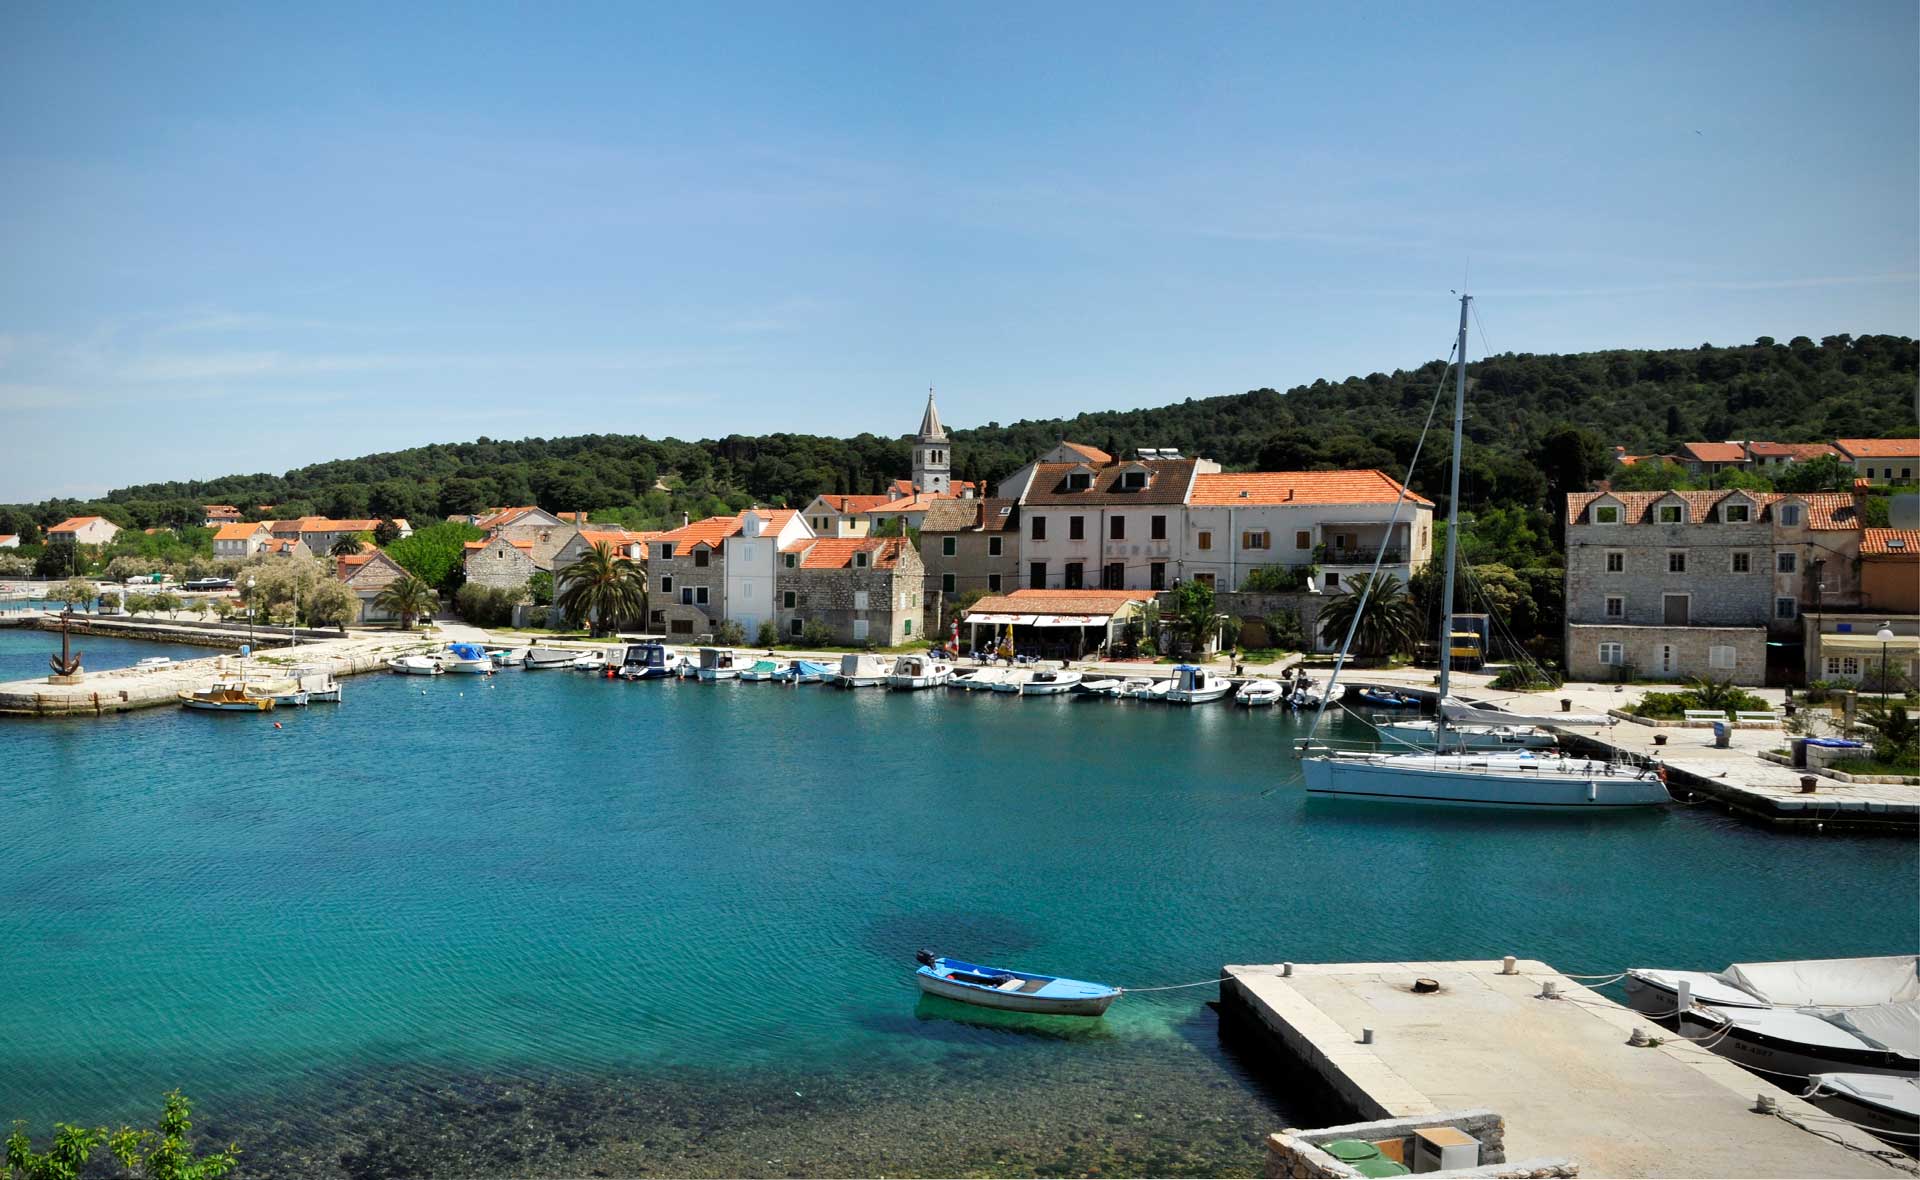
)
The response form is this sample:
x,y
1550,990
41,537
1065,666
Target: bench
x,y
1703,717
1757,719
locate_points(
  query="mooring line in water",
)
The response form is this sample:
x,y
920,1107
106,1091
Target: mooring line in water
x,y
1174,987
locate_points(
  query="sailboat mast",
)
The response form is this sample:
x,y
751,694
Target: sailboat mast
x,y
1453,515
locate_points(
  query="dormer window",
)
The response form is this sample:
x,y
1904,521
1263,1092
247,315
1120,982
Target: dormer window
x,y
1672,514
1079,480
793,561
1736,513
860,559
1133,481
1607,514
666,551
1790,515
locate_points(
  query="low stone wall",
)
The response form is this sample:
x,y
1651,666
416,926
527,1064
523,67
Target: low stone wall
x,y
1294,1154
197,633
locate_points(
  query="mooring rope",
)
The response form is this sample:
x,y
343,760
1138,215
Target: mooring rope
x,y
1174,987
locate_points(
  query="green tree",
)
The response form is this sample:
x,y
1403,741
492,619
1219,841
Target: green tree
x,y
165,1153
601,589
75,592
768,635
1571,459
346,545
1388,626
815,635
1650,475
540,587
1195,618
728,633
408,597
434,554
386,532
1828,473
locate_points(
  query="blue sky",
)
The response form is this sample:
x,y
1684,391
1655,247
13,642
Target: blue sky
x,y
243,238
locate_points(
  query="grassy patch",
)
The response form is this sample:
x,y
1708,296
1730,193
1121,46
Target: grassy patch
x,y
1876,766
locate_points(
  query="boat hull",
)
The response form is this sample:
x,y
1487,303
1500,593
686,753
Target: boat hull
x,y
423,668
1013,1001
915,683
1873,1101
1774,1057
711,674
1362,779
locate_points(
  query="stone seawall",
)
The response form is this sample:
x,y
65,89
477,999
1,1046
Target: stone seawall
x,y
125,689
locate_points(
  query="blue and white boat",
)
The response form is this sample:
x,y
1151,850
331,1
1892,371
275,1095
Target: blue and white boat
x,y
466,657
803,672
645,661
1014,991
1382,698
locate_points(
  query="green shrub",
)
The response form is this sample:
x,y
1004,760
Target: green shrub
x,y
768,635
728,633
816,634
1526,678
486,606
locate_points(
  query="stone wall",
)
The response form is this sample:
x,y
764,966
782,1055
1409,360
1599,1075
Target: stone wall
x,y
674,580
893,612
973,566
1295,1153
1643,649
500,565
1249,604
1717,595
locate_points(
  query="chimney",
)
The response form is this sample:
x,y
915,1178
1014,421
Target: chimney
x,y
685,520
1289,493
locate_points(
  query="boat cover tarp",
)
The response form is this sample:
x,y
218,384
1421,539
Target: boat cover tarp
x,y
1457,710
467,651
1831,983
1897,1026
1889,1092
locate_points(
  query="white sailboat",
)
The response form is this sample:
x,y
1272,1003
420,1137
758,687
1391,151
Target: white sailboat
x,y
1488,779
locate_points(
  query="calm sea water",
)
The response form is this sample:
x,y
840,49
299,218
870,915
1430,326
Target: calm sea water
x,y
548,922
23,654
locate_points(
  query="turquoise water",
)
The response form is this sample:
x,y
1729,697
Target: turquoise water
x,y
670,926
23,654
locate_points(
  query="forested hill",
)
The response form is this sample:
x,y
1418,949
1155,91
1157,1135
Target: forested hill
x,y
1648,401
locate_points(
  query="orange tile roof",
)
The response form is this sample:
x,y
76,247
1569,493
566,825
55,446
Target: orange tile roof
x,y
326,524
236,531
850,505
493,518
1714,452
709,532
472,545
1298,487
1060,602
1825,510
1092,454
1879,448
1890,543
772,519
75,523
821,553
1798,452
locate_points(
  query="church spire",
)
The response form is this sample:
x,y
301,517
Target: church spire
x,y
930,428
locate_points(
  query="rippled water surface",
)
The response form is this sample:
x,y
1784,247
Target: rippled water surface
x,y
548,922
23,654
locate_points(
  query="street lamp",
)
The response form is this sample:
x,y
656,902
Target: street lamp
x,y
250,613
1885,636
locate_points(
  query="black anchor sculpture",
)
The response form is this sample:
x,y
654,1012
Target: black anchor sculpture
x,y
67,663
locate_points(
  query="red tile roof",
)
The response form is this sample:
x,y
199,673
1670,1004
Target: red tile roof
x,y
709,532
473,545
1825,510
772,520
1092,454
833,553
75,523
1879,448
235,531
1166,484
1890,543
1298,487
853,505
1798,452
1713,452
1060,602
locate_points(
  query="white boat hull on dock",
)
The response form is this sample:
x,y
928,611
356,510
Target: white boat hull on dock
x,y
1492,781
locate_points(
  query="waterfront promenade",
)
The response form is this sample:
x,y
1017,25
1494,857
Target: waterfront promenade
x,y
1559,1071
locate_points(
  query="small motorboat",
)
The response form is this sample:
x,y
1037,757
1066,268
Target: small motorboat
x,y
803,672
1139,687
760,671
718,663
153,662
538,658
501,657
859,670
468,658
982,680
593,661
919,670
645,661
1015,991
1386,699
1097,688
1876,1101
286,694
1814,983
318,683
226,698
1193,685
1258,694
415,666
1051,682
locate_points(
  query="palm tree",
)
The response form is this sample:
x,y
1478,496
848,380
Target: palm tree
x,y
1895,734
1390,624
601,589
409,598
345,545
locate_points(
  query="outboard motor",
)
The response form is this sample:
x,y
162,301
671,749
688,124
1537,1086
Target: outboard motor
x,y
923,957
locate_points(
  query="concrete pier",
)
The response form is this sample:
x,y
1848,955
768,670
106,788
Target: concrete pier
x,y
1559,1071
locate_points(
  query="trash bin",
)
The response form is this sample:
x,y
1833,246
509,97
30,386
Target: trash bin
x,y
1799,753
1722,734
1380,1166
1351,1151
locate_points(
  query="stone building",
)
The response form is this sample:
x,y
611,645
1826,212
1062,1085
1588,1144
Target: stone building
x,y
687,576
1669,585
499,563
932,460
866,590
970,546
547,532
1114,526
367,573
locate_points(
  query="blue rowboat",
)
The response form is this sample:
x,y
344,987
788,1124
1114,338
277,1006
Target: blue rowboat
x,y
1388,700
1015,991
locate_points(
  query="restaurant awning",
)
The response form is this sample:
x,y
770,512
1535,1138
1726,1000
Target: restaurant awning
x,y
1001,620
1089,620
1838,642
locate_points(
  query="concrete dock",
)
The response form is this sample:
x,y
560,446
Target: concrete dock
x,y
1559,1071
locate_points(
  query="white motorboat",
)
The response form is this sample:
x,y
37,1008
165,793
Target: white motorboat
x,y
1492,779
1803,983
1050,682
153,662
646,661
759,672
980,680
1141,687
719,663
415,666
1098,688
286,694
1876,1101
1428,735
861,670
548,657
468,658
919,670
1255,694
318,683
1193,685
593,661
